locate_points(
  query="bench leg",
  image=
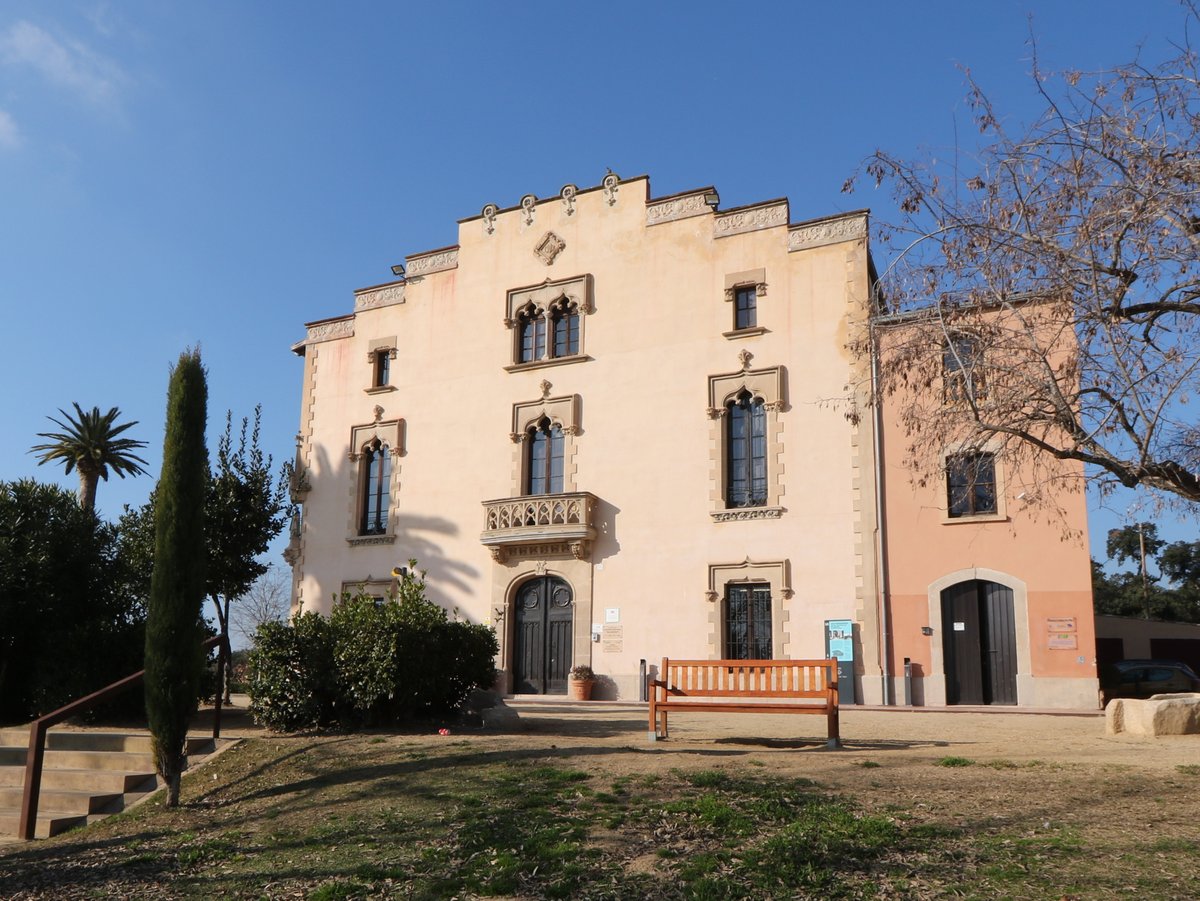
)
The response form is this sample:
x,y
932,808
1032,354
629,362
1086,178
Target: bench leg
x,y
834,744
662,723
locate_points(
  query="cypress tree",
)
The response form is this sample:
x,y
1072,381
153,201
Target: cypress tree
x,y
174,660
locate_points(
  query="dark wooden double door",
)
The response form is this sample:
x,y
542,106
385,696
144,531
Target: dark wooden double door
x,y
979,643
544,626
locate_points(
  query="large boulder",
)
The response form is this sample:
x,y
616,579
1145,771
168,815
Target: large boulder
x,y
1173,714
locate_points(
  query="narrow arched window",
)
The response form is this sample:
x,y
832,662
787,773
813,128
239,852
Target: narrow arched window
x,y
746,444
544,474
376,488
565,317
532,323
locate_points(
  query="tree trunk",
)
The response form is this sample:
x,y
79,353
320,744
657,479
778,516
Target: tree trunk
x,y
87,488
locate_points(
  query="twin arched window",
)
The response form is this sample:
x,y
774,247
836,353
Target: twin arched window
x,y
549,333
376,488
544,470
746,441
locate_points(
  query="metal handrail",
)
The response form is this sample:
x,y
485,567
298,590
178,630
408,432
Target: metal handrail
x,y
37,731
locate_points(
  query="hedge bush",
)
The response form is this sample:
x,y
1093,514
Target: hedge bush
x,y
370,663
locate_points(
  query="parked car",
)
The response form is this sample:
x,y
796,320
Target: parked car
x,y
1144,678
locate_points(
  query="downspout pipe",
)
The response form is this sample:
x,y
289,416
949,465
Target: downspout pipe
x,y
881,567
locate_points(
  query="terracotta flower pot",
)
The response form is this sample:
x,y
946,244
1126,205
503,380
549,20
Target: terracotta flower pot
x,y
580,689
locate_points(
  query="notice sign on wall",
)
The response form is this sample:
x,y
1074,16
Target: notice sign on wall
x,y
1062,633
612,639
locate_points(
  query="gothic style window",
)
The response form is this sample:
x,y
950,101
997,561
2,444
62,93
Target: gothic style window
x,y
532,330
745,306
376,479
565,317
970,485
748,622
545,334
544,474
962,370
746,442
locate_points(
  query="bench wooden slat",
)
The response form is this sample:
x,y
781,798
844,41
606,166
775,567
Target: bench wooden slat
x,y
762,685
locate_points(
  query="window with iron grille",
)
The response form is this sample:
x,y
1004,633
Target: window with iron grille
x,y
748,622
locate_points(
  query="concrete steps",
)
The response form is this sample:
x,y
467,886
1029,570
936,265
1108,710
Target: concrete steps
x,y
86,776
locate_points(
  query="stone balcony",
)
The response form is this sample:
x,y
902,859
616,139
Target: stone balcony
x,y
544,525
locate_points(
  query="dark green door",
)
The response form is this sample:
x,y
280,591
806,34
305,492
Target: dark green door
x,y
542,656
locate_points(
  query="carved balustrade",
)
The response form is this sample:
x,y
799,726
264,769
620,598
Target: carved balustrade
x,y
544,525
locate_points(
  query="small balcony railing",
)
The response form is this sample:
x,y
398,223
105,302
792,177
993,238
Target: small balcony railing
x,y
540,519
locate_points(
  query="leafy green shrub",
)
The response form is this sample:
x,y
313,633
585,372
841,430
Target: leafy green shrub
x,y
371,663
288,674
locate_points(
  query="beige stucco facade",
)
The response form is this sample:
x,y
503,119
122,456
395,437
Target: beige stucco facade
x,y
640,530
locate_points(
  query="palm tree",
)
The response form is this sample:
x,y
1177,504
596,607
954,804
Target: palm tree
x,y
88,443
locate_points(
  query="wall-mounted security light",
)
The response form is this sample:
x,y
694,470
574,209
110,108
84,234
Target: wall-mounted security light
x,y
713,199
398,270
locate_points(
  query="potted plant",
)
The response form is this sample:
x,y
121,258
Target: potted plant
x,y
580,681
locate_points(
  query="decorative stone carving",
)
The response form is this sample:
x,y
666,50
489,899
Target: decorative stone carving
x,y
716,412
330,331
545,386
529,204
428,263
760,289
747,513
549,247
367,540
744,357
829,231
577,291
391,352
378,413
379,297
676,208
753,219
540,567
489,217
712,597
610,182
567,194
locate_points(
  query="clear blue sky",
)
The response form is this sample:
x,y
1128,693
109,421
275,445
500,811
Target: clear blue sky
x,y
174,173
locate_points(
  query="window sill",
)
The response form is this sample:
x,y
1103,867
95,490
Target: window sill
x,y
379,389
741,514
948,520
745,333
368,540
551,361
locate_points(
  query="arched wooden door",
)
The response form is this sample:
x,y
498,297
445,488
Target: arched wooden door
x,y
544,626
979,643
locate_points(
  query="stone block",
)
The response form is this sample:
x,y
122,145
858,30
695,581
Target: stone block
x,y
1170,714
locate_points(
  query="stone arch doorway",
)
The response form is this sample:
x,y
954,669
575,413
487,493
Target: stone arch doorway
x,y
979,643
542,638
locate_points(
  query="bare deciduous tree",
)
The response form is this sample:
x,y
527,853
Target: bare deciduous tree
x,y
268,600
1066,259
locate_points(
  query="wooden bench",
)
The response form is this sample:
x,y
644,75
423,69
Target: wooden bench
x,y
745,686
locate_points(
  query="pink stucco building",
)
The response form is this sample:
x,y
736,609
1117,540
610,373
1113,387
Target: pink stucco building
x,y
614,427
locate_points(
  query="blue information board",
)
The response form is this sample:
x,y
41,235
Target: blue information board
x,y
839,644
